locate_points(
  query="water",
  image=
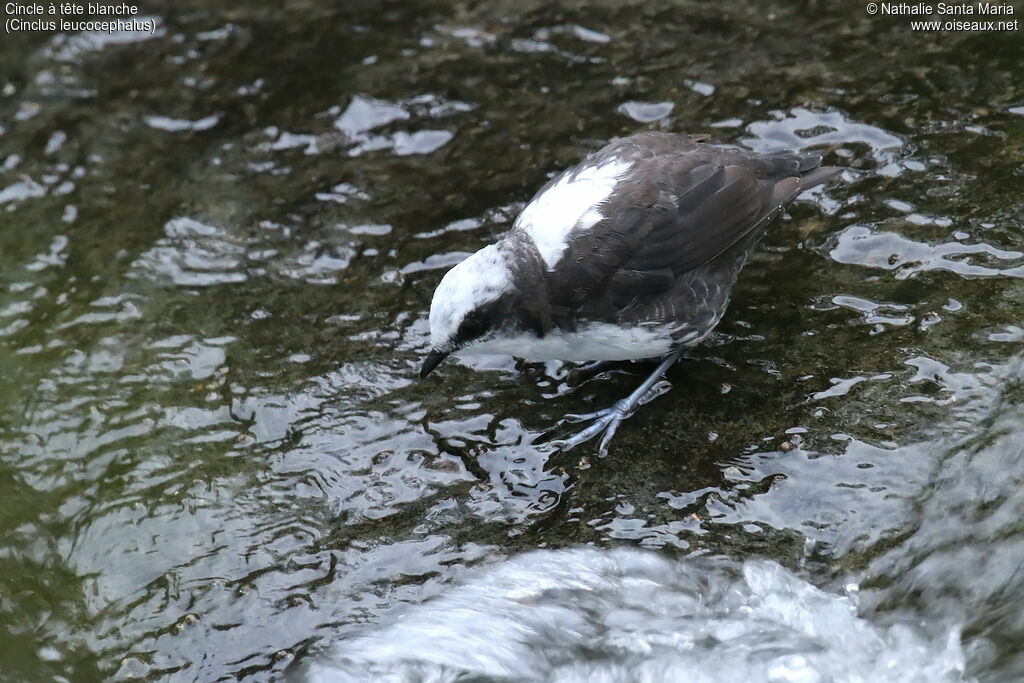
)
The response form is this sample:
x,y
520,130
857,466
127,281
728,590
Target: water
x,y
626,615
217,248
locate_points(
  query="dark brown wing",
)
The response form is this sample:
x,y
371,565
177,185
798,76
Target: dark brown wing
x,y
684,206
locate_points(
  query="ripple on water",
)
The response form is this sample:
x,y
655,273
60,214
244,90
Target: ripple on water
x,y
860,245
193,254
969,517
366,114
172,125
645,112
801,128
317,263
21,190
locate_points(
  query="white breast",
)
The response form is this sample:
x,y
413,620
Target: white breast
x,y
592,341
572,202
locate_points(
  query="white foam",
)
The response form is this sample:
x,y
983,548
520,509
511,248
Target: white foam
x,y
624,614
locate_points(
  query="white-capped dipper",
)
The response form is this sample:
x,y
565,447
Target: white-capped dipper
x,y
628,255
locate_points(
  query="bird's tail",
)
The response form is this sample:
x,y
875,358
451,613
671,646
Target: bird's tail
x,y
818,175
810,175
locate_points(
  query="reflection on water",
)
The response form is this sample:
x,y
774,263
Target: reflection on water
x,y
592,615
217,247
860,246
804,128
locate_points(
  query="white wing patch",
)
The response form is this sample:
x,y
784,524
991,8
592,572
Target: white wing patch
x,y
570,203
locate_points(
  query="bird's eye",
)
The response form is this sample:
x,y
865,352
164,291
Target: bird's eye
x,y
474,325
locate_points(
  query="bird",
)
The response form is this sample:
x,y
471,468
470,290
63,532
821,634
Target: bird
x,y
629,255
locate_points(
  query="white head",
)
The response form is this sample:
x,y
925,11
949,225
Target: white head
x,y
462,309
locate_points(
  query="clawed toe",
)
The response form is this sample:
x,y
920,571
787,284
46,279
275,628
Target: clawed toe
x,y
605,421
662,387
574,418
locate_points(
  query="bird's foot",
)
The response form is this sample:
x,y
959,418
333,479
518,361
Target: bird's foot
x,y
607,421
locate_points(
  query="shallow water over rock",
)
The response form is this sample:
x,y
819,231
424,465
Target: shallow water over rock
x,y
218,244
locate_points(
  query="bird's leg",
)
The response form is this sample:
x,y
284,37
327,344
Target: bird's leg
x,y
608,420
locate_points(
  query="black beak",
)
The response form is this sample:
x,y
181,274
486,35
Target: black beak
x,y
432,360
